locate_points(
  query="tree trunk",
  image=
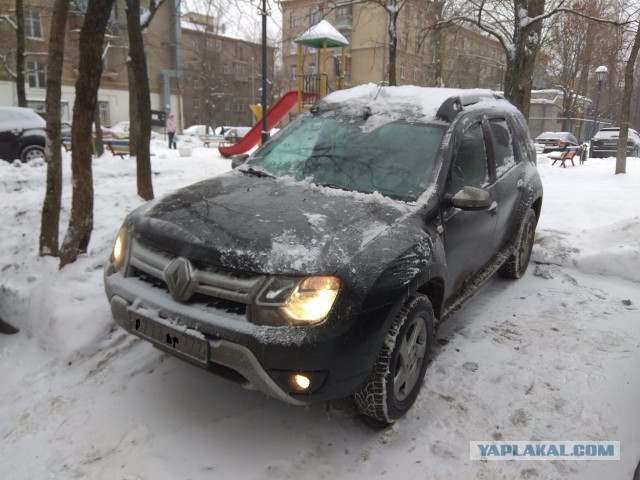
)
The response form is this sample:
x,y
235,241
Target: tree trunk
x,y
623,120
134,118
20,48
138,64
393,47
50,222
89,72
97,136
521,63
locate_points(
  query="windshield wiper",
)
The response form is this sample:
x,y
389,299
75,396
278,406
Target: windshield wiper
x,y
256,173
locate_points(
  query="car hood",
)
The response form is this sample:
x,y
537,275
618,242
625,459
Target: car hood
x,y
264,225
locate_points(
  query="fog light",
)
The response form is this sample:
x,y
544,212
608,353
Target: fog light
x,y
301,382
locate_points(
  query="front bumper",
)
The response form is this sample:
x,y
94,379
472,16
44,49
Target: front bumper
x,y
336,355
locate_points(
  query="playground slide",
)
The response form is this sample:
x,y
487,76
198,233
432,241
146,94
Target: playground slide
x,y
283,106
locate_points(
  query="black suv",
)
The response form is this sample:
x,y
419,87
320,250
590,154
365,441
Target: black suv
x,y
321,267
22,134
605,143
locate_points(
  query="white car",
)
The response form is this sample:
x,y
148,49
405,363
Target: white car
x,y
197,130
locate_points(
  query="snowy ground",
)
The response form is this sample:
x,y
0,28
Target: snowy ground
x,y
554,356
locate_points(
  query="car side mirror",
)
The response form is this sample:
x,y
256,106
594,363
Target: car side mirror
x,y
471,198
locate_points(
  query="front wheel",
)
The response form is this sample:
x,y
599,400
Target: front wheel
x,y
517,263
398,373
31,153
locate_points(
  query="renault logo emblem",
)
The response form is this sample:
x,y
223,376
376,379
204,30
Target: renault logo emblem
x,y
178,278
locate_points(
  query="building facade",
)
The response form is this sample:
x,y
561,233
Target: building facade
x,y
221,75
193,72
113,96
454,56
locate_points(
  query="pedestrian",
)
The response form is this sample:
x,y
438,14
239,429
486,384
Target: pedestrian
x,y
171,129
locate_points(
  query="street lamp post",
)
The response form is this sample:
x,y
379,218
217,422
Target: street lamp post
x,y
263,12
601,72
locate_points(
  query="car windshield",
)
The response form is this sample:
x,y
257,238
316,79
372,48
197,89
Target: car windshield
x,y
354,153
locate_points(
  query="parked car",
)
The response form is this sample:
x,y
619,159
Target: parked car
x,y
320,268
197,130
556,141
233,134
22,134
605,143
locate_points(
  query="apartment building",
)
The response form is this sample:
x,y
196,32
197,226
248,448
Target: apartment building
x,y
221,74
194,72
453,57
163,58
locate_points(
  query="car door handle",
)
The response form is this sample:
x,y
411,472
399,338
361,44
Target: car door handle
x,y
493,208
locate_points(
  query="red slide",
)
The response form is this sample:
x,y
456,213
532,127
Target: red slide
x,y
284,105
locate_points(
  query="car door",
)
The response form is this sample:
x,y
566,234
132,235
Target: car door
x,y
508,183
468,234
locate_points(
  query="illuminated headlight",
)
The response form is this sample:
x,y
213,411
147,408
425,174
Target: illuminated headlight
x,y
120,249
297,301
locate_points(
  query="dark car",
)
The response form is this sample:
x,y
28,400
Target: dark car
x,y
556,141
22,134
320,268
605,143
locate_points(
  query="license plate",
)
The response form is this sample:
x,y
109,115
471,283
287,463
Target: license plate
x,y
180,341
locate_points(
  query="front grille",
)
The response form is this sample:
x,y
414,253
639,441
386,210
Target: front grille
x,y
208,286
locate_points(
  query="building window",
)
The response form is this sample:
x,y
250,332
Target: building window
x,y
293,19
416,75
226,70
241,70
293,48
294,72
403,71
32,27
314,15
227,106
343,12
239,107
416,46
37,74
239,52
196,103
404,40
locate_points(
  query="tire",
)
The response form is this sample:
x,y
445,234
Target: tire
x,y
517,263
31,153
398,373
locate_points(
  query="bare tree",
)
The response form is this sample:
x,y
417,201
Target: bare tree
x,y
623,121
141,93
16,23
518,26
78,234
50,221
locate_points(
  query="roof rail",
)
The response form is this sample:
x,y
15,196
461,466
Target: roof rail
x,y
452,106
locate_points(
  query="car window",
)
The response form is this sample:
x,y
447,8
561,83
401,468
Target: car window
x,y
502,145
470,164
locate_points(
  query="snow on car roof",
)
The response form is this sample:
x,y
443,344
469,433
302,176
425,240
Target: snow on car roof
x,y
387,100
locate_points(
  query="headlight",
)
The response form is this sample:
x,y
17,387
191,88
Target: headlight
x,y
120,249
296,301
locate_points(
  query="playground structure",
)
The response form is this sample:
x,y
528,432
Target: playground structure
x,y
310,88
